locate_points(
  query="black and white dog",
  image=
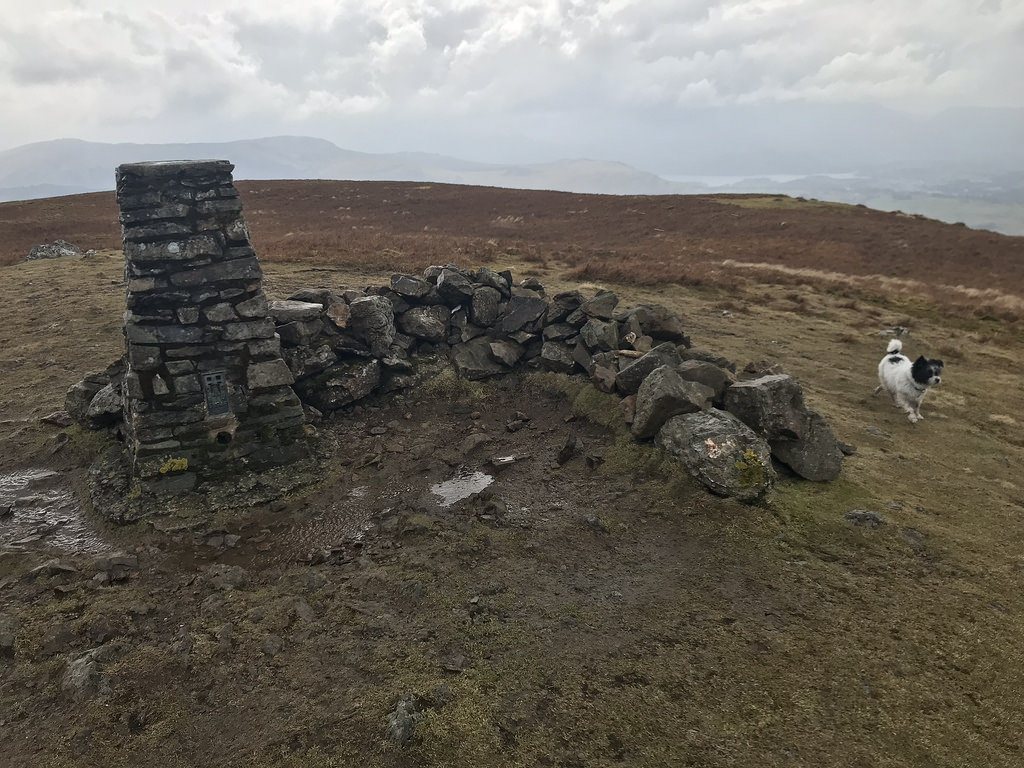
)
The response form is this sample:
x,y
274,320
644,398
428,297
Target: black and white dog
x,y
907,382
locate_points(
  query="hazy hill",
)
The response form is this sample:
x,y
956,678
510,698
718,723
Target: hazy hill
x,y
70,166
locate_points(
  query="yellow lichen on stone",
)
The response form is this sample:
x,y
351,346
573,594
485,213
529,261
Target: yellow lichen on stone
x,y
751,469
174,465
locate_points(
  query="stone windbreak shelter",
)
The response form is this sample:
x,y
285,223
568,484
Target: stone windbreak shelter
x,y
218,381
206,391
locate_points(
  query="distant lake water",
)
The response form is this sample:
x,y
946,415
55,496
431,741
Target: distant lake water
x,y
775,178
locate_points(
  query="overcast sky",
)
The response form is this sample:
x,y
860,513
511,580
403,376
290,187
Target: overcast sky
x,y
482,79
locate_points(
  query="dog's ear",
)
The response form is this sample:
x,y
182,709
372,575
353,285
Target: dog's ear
x,y
939,363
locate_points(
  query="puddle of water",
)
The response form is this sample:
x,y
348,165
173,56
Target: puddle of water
x,y
43,509
461,487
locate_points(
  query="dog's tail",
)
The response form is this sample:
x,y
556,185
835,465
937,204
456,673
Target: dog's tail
x,y
894,348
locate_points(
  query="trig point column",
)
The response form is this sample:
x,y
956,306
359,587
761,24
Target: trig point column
x,y
207,393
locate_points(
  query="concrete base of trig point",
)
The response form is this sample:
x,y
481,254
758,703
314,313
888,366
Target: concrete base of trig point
x,y
207,394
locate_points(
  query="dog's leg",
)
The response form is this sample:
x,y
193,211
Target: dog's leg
x,y
907,407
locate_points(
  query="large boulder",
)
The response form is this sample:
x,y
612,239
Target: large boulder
x,y
722,452
662,395
773,406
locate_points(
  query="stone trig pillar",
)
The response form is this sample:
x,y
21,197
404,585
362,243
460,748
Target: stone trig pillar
x,y
207,393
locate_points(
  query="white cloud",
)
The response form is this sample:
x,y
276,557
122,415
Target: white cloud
x,y
211,69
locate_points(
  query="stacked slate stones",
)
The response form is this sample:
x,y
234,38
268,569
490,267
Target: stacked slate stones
x,y
205,389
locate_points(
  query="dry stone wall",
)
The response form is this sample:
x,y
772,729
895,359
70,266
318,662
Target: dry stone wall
x,y
205,389
218,379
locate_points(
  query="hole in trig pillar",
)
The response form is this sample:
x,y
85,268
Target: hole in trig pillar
x,y
216,391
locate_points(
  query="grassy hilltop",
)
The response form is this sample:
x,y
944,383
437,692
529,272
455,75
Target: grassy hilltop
x,y
577,615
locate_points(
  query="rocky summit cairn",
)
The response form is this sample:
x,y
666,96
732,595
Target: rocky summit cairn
x,y
206,391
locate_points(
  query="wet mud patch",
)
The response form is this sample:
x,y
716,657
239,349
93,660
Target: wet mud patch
x,y
39,508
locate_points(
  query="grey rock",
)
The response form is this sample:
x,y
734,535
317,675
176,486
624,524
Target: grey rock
x,y
55,250
473,360
228,577
559,332
629,378
773,406
373,321
80,395
407,285
707,357
507,352
254,307
563,305
106,407
403,719
484,305
84,678
867,517
340,385
488,277
583,358
817,456
522,314
289,311
454,287
659,323
300,333
720,451
600,336
708,374
271,373
430,323
662,395
557,356
8,635
601,306
307,361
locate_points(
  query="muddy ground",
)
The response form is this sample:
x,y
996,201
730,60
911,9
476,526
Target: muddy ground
x,y
600,611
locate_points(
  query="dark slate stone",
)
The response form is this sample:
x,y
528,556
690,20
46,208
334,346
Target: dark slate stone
x,y
340,385
708,374
473,360
485,305
662,395
454,287
557,356
373,321
659,323
601,306
430,323
629,378
563,305
600,336
407,285
507,352
522,313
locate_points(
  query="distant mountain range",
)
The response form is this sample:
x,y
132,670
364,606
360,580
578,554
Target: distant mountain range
x,y
72,166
